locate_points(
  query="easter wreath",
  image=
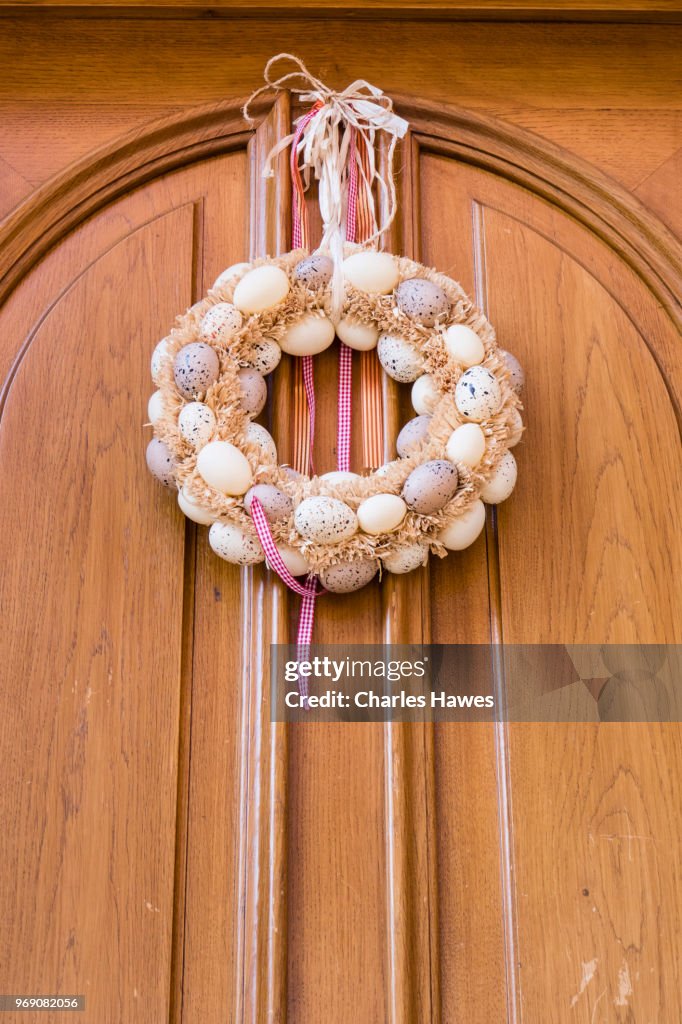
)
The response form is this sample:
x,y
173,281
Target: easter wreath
x,y
453,457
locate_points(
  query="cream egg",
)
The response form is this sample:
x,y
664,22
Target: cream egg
x,y
464,530
261,288
518,377
155,407
422,300
224,467
294,560
195,368
229,274
424,394
464,345
375,273
381,513
406,559
346,577
514,428
276,504
314,271
160,462
196,423
399,358
159,356
193,510
311,334
257,435
430,486
234,544
340,476
501,483
478,394
221,323
325,520
414,433
265,355
466,444
355,334
254,391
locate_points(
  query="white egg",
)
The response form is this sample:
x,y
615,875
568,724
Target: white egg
x,y
387,468
325,520
373,272
159,354
464,345
311,334
406,559
229,274
196,423
221,323
294,560
265,355
381,513
502,482
348,576
464,530
254,391
515,428
477,395
340,476
424,395
399,358
224,467
466,444
258,435
194,511
355,334
262,288
155,407
518,377
234,544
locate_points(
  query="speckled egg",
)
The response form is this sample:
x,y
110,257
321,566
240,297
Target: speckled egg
x,y
464,530
194,511
276,504
477,395
406,559
196,367
430,486
291,473
348,576
340,476
221,323
381,513
228,275
155,407
518,377
355,334
296,563
196,423
261,288
375,273
466,444
399,358
258,435
265,355
314,271
254,391
224,467
502,482
464,345
159,355
160,462
313,333
515,429
325,520
422,300
387,468
234,544
425,395
412,435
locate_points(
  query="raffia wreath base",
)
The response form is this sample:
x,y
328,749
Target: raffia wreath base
x,y
224,398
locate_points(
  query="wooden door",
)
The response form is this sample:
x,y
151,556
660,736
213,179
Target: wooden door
x,y
166,851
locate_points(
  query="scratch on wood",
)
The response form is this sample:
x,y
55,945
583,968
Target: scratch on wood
x,y
589,971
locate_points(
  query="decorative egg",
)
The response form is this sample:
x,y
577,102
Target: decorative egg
x,y
196,367
234,544
311,334
502,482
254,391
422,300
224,467
518,377
291,473
258,435
155,407
348,576
159,354
464,530
325,520
424,394
228,275
381,513
276,504
221,323
464,345
160,462
340,476
265,355
314,271
466,444
399,358
355,334
375,273
386,469
196,423
296,563
406,559
515,429
414,433
261,288
477,395
197,513
430,486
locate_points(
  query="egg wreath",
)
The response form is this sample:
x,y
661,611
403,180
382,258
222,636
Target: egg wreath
x,y
453,457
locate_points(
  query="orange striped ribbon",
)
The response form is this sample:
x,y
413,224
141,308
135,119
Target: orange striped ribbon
x,y
371,401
